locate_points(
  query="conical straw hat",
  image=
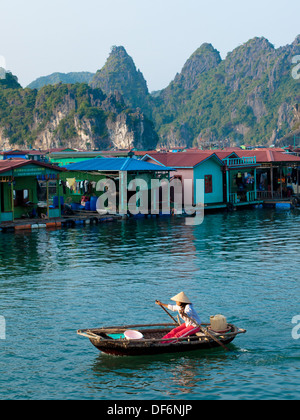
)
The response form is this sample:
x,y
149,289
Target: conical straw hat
x,y
181,297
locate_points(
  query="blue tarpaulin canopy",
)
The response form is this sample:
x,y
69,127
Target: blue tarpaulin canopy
x,y
117,164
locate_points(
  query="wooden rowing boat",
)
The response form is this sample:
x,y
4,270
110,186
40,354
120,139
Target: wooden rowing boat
x,y
111,340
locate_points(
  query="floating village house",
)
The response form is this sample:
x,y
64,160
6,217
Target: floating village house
x,y
13,154
26,187
127,174
241,179
190,167
229,180
278,173
37,155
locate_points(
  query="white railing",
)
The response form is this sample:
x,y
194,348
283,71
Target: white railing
x,y
268,195
243,161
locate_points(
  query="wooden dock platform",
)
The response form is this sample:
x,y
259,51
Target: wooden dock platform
x,y
57,223
290,203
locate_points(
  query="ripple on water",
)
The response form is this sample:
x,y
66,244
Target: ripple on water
x,y
244,265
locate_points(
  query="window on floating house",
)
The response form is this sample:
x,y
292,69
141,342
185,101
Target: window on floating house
x,y
42,190
208,184
21,197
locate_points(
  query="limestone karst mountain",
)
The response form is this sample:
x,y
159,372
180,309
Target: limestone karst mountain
x,y
250,97
69,115
120,74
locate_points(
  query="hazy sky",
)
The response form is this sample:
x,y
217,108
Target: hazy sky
x,y
39,37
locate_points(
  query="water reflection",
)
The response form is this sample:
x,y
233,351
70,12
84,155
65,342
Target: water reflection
x,y
179,374
115,243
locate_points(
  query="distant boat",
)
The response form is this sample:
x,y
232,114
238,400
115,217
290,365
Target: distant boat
x,y
140,340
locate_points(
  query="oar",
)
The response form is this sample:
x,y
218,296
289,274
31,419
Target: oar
x,y
168,313
206,332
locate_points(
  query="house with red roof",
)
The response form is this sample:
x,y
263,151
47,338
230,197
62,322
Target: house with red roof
x,y
190,167
23,154
278,173
229,180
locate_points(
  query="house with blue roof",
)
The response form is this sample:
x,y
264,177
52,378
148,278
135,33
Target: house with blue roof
x,y
129,175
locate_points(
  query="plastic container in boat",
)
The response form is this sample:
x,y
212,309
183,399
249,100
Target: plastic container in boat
x,y
133,335
218,323
93,203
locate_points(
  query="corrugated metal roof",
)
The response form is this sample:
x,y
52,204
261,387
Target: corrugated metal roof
x,y
20,153
183,159
10,164
116,164
269,155
192,159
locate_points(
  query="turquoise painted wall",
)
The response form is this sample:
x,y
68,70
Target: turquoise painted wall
x,y
214,168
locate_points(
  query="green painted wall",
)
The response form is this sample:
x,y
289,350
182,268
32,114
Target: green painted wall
x,y
71,197
63,162
30,184
5,202
25,178
21,184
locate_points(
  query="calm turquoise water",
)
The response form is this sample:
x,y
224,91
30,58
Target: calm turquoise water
x,y
244,265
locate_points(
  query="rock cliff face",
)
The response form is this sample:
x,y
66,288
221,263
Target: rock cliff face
x,y
73,116
4,141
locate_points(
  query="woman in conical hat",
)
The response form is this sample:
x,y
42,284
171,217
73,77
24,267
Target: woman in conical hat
x,y
187,313
181,297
